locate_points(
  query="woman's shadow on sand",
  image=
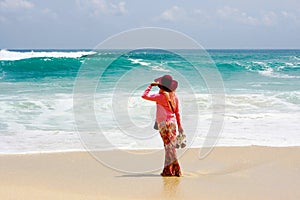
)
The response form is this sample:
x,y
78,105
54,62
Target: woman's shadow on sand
x,y
138,175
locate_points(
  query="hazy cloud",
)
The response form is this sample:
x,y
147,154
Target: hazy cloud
x,y
82,23
16,4
102,7
50,13
234,14
269,18
290,16
202,16
173,14
16,10
122,7
220,15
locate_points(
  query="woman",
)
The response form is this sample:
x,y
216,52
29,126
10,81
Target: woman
x,y
167,114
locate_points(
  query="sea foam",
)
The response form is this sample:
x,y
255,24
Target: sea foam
x,y
19,55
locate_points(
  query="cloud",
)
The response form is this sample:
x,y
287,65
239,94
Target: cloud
x,y
122,7
228,15
16,10
102,7
202,16
50,13
269,18
172,14
290,16
234,14
16,4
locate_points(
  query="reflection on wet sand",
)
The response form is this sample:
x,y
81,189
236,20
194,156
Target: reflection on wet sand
x,y
170,187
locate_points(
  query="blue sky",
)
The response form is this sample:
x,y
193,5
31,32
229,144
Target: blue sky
x,y
67,24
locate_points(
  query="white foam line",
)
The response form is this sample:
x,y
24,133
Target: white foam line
x,y
16,55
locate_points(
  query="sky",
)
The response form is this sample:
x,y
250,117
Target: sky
x,y
215,24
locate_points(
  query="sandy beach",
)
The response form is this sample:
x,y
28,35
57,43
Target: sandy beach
x,y
227,173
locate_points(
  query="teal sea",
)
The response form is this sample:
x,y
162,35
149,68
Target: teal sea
x,y
261,88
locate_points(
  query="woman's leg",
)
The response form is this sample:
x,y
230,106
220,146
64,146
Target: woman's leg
x,y
168,134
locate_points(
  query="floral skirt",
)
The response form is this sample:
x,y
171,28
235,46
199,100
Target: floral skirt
x,y
167,130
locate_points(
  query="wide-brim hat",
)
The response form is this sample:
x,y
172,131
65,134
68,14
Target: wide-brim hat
x,y
167,83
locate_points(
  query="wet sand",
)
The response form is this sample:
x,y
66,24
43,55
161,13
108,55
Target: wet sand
x,y
226,173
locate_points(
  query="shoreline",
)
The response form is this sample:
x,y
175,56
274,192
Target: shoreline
x,y
137,149
252,172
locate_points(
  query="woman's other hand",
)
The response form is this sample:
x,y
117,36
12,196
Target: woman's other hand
x,y
180,130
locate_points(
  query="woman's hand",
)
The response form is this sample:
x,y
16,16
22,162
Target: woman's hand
x,y
154,84
180,130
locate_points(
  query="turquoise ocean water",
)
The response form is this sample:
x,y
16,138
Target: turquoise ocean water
x,y
262,90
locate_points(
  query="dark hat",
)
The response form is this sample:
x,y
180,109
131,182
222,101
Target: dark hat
x,y
167,83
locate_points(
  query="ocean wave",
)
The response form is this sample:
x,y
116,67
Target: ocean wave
x,y
269,72
7,55
296,57
254,103
159,68
139,61
290,97
153,66
38,68
269,68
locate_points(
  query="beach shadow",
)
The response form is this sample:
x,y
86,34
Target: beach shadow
x,y
138,175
